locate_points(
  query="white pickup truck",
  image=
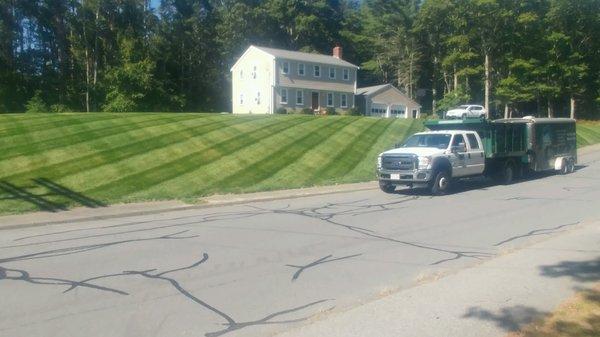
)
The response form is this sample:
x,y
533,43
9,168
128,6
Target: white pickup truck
x,y
457,149
431,159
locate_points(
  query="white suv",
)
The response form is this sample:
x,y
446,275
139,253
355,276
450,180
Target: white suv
x,y
466,111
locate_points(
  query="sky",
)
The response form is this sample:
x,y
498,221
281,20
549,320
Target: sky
x,y
154,3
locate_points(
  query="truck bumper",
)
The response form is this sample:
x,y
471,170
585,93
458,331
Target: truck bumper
x,y
413,177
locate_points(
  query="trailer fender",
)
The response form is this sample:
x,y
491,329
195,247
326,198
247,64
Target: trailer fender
x,y
564,165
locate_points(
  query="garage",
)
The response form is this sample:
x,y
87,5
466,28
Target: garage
x,y
378,110
386,101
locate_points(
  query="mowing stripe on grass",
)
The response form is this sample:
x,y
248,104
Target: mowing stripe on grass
x,y
192,161
348,157
51,122
590,134
397,131
273,162
83,136
110,156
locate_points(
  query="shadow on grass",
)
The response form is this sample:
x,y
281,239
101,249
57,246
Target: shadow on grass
x,y
576,319
45,201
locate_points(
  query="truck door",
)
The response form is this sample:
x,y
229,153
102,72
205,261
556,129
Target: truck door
x,y
458,159
475,155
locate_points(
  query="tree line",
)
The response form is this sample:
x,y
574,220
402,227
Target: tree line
x,y
517,57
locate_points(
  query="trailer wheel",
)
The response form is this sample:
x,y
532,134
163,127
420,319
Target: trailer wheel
x,y
441,183
571,165
508,174
387,187
564,167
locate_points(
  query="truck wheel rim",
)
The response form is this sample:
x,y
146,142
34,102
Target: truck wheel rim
x,y
443,183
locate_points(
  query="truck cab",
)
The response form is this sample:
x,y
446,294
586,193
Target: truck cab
x,y
431,159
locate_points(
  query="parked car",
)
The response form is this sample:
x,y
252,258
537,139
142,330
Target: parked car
x,y
466,111
501,149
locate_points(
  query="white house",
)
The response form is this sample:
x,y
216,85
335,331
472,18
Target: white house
x,y
266,79
386,101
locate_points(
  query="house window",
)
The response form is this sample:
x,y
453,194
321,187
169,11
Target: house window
x,y
241,99
317,71
301,69
344,101
285,68
299,97
332,73
329,99
346,74
284,96
254,72
257,98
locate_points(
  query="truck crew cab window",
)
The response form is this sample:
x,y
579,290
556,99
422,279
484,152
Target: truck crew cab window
x,y
474,144
458,140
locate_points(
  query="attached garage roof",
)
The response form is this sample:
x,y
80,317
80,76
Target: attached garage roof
x,y
371,90
376,89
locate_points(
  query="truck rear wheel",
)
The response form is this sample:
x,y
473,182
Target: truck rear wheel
x,y
441,183
508,174
387,187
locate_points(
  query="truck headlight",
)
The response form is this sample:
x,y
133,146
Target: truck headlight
x,y
379,162
424,163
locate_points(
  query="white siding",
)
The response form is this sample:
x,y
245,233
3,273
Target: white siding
x,y
256,89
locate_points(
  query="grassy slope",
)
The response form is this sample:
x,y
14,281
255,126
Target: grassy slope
x,y
58,161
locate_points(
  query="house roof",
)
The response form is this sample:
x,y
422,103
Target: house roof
x,y
308,57
370,91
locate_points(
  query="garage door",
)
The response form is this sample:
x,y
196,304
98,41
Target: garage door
x,y
398,111
378,110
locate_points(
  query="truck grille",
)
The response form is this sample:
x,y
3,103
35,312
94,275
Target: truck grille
x,y
399,163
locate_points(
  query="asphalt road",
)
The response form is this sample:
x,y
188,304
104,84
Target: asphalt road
x,y
265,267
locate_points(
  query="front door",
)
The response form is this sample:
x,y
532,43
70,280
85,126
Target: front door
x,y
458,159
315,101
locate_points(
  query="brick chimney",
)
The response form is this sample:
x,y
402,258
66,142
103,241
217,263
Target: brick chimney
x,y
338,52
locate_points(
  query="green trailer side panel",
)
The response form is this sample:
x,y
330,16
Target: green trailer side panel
x,y
499,139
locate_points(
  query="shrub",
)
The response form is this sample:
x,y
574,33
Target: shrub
x,y
36,104
331,111
353,112
281,111
58,108
307,111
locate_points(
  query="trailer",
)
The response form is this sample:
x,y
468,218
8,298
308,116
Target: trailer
x,y
502,149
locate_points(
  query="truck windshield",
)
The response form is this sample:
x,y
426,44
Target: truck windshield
x,y
439,141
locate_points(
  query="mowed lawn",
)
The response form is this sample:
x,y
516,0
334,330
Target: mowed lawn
x,y
54,162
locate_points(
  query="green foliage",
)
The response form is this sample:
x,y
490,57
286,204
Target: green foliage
x,y
59,108
281,111
331,111
353,112
123,55
452,99
307,111
36,104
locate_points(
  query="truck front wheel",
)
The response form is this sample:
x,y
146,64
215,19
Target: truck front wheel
x,y
441,183
387,187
